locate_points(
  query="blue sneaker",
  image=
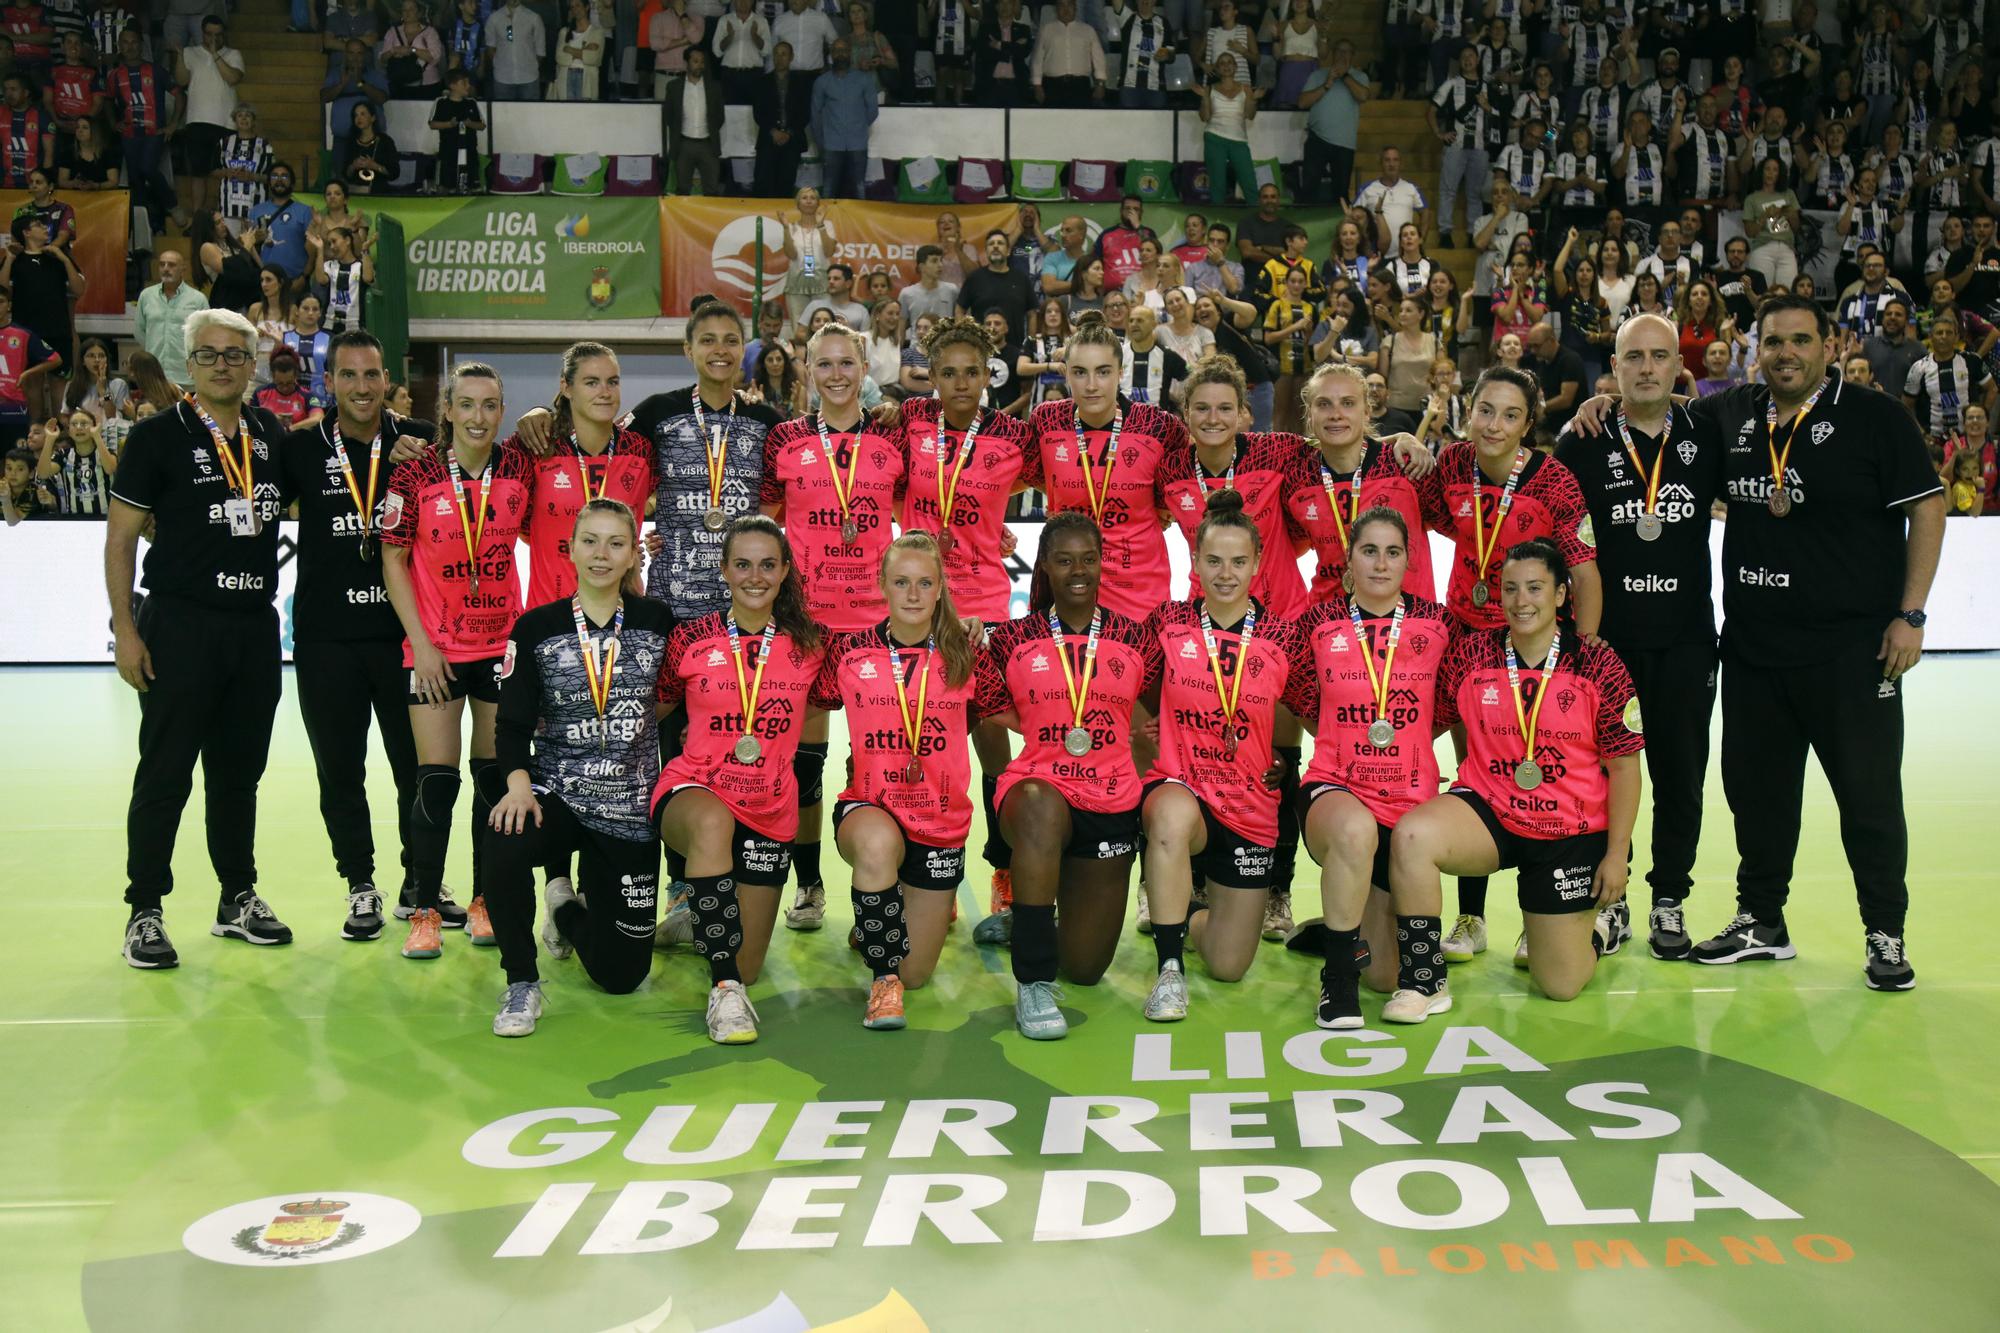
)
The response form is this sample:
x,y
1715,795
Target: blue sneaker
x,y
1036,1014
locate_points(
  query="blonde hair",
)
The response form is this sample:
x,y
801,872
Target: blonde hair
x,y
953,645
836,329
1332,370
630,585
462,370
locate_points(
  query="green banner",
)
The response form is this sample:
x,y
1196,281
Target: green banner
x,y
502,257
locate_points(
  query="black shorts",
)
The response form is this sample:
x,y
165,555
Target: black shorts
x,y
1229,860
1558,876
203,146
1099,836
924,866
1378,873
757,859
479,680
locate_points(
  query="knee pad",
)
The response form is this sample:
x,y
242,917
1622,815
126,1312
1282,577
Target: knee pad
x,y
809,771
488,786
436,793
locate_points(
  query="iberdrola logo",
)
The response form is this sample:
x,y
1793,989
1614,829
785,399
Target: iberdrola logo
x,y
575,227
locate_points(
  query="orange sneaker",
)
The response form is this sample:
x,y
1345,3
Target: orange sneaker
x,y
1002,899
885,1004
425,931
478,925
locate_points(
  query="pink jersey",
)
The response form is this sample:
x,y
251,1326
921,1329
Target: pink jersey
x,y
562,482
980,584
1258,472
1593,715
842,579
1318,513
426,513
935,809
1191,714
1547,503
1024,657
697,672
1135,550
1334,694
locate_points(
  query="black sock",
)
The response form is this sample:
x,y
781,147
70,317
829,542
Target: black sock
x,y
805,863
1170,942
1340,951
998,854
880,919
430,830
485,777
718,924
677,867
1287,846
1034,942
1472,895
1420,944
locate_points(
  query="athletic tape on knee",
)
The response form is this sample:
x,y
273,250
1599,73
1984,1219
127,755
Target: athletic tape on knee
x,y
809,771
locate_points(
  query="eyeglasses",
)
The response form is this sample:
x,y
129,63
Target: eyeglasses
x,y
208,356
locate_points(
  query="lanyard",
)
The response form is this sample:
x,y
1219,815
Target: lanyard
x,y
1779,459
583,465
364,504
1484,543
1228,475
913,723
1343,523
475,536
1096,495
597,678
948,496
235,472
1230,694
748,689
1078,701
1632,451
1378,686
715,445
842,489
1530,720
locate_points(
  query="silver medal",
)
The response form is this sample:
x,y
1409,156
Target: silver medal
x,y
1527,775
1381,733
1077,741
747,749
714,520
1650,527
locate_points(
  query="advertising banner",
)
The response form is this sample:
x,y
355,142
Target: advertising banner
x,y
502,257
103,237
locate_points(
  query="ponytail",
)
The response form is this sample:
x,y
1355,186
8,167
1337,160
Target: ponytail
x,y
952,644
788,611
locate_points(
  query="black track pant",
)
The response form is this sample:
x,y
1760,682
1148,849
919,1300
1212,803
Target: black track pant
x,y
1676,688
212,699
339,685
613,935
1843,711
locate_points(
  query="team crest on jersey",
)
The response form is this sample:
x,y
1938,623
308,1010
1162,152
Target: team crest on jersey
x,y
1686,449
1566,700
1821,431
1419,643
392,509
715,657
561,480
1187,648
866,671
1633,722
1491,698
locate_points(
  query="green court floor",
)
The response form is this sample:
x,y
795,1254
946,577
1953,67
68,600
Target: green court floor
x,y
327,1136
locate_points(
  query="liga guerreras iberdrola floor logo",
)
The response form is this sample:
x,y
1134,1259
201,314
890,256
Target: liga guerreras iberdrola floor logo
x,y
292,1229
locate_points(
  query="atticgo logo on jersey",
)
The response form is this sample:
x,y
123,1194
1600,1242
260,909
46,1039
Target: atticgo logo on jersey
x,y
1822,430
1763,578
301,1229
866,671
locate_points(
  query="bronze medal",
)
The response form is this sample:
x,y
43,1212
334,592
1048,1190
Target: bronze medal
x,y
848,532
914,770
371,546
944,543
1780,503
1228,742
1481,594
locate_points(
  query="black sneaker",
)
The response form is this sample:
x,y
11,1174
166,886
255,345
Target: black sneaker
x,y
251,920
364,914
450,915
1339,1000
146,942
1666,930
1888,966
1745,939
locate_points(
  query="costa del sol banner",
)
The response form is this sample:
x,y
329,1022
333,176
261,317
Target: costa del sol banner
x,y
710,245
103,238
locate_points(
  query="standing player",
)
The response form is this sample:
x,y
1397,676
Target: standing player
x,y
1649,484
912,687
834,480
728,802
448,530
1222,661
203,650
1069,805
347,647
575,738
1498,492
1366,673
1551,791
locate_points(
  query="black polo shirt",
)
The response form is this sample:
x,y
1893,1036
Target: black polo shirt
x,y
339,596
1829,574
1656,594
168,467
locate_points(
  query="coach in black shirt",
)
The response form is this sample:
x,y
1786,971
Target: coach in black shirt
x,y
1649,481
203,649
347,645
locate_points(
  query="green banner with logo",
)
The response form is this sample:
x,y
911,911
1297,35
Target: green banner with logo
x,y
501,257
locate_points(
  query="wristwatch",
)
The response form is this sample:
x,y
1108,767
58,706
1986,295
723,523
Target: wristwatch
x,y
1914,619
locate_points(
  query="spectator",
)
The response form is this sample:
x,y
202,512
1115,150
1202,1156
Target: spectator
x,y
873,55
229,268
915,373
210,72
1560,373
1226,321
1059,265
1269,281
809,32
777,383
399,401
74,92
1260,238
26,365
1180,330
839,298
243,161
1146,48
77,467
1007,49
1142,284
1771,220
88,161
1942,383
1288,327
34,40
44,282
354,83
138,89
20,497
1587,328
348,21
150,386
93,388
1393,202
882,347
468,51
457,119
1215,270
1345,334
1068,65
845,103
999,288
308,341
286,397
1460,114
42,203
953,46
271,313
692,109
1118,245
517,39
1893,349
162,309
1227,36
336,212
674,32
782,111
1720,370
1087,290
281,225
929,294
1332,101
742,43
27,134
412,54
365,155
1227,109
345,275
1519,302
1152,371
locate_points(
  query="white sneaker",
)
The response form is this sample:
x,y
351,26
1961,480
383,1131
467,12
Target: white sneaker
x,y
558,892
808,910
520,1006
731,1020
1413,1006
1278,915
1521,951
1613,928
1169,1001
1466,941
1145,923
677,922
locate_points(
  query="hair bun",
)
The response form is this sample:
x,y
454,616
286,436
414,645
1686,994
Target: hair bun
x,y
1086,319
1223,503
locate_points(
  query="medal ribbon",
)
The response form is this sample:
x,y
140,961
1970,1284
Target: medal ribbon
x,y
1229,695
1342,523
475,537
1077,701
1530,721
1097,496
913,724
1228,475
1652,478
1484,543
596,678
1778,458
583,466
1378,687
364,504
236,473
947,498
748,689
715,446
841,489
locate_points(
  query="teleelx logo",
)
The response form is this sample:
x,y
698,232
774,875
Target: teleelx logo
x,y
303,1228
